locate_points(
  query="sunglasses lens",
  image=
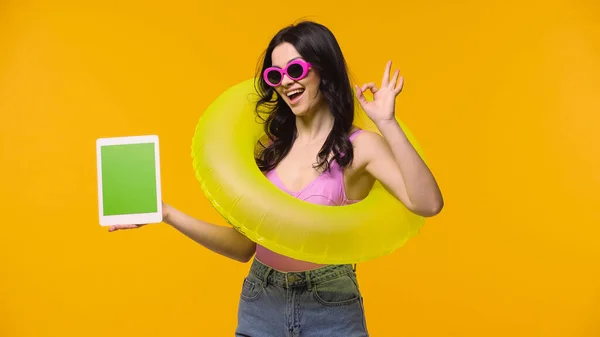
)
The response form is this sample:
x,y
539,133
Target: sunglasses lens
x,y
274,76
295,71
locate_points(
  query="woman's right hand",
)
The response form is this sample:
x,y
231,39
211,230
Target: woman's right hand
x,y
165,213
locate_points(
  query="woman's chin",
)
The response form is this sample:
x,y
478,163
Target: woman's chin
x,y
299,112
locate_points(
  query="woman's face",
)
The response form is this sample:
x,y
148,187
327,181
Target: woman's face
x,y
303,95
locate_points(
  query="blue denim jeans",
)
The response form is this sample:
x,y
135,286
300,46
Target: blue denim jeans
x,y
322,302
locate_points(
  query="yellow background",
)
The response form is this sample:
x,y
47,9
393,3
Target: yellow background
x,y
503,96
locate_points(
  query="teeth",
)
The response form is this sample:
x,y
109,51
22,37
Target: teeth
x,y
294,92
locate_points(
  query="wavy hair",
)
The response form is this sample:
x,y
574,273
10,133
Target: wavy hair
x,y
317,45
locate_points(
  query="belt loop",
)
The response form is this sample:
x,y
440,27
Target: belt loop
x,y
308,283
354,268
265,280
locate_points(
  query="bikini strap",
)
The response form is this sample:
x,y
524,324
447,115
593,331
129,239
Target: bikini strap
x,y
353,135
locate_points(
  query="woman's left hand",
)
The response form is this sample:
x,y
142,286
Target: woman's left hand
x,y
381,108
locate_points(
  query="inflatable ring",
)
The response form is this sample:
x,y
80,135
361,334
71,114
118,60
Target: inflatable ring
x,y
223,149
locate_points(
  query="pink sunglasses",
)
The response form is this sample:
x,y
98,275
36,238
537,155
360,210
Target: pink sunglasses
x,y
295,70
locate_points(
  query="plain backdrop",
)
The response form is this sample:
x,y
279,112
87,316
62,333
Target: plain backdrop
x,y
502,95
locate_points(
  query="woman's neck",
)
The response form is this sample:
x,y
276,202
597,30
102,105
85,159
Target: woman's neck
x,y
314,126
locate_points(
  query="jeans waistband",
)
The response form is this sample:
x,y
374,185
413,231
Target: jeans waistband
x,y
307,278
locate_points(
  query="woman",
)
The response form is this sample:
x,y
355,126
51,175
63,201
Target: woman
x,y
315,153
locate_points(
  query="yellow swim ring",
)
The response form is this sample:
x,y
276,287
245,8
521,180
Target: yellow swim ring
x,y
223,149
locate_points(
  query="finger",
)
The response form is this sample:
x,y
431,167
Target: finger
x,y
399,86
118,227
394,78
386,74
371,86
359,95
359,92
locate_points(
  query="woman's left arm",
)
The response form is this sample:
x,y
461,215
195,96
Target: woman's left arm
x,y
393,161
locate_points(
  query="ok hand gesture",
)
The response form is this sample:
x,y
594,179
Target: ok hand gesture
x,y
382,107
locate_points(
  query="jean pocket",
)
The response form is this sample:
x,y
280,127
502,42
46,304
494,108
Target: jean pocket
x,y
339,291
251,289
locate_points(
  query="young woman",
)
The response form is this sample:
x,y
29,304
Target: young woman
x,y
315,153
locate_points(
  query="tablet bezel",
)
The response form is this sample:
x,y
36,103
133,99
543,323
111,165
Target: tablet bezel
x,y
129,219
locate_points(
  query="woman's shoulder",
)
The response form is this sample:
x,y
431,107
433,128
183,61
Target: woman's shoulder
x,y
367,144
362,135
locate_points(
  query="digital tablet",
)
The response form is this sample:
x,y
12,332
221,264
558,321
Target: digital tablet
x,y
129,189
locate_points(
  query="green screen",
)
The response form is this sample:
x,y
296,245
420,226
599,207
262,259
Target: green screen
x,y
128,179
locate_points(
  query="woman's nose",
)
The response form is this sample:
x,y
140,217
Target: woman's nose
x,y
286,80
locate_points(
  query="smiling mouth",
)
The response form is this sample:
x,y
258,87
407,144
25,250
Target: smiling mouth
x,y
295,95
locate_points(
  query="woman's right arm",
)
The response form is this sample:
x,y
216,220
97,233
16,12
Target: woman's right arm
x,y
219,239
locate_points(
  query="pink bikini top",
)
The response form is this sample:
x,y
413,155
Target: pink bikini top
x,y
326,189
